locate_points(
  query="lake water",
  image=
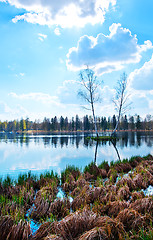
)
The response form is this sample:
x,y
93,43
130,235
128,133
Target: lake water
x,y
38,153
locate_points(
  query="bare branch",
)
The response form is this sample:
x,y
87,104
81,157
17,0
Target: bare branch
x,y
121,99
90,83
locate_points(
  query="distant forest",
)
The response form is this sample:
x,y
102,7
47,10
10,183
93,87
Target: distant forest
x,y
78,124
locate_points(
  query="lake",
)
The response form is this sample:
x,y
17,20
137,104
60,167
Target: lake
x,y
38,153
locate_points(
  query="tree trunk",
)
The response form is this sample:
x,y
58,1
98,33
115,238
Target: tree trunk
x,y
95,122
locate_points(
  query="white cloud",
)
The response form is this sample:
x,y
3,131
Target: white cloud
x,y
141,79
65,102
57,31
62,12
39,97
67,93
107,53
8,112
22,74
42,37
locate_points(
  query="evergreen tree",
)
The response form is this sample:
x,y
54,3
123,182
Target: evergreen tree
x,y
73,124
114,121
125,123
61,123
105,124
55,124
77,122
138,123
86,123
66,123
131,123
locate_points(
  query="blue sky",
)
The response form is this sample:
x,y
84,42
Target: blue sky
x,y
44,44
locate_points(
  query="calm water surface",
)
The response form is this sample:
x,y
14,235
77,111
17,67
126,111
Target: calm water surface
x,y
38,153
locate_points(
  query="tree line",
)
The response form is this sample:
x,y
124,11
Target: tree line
x,y
79,124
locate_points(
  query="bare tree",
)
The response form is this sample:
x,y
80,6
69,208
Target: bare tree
x,y
121,100
89,93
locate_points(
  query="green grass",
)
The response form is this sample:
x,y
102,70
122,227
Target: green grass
x,y
103,165
75,171
104,138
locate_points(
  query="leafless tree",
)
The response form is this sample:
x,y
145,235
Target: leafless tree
x,y
121,99
89,91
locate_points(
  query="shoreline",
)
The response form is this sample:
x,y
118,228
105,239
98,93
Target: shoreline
x,y
37,132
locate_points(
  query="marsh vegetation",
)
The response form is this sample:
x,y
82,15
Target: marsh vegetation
x,y
108,201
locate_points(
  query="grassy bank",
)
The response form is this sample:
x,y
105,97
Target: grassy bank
x,y
101,202
103,138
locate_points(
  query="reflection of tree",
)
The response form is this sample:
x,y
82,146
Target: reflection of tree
x,y
96,152
24,139
21,140
131,138
113,142
114,145
63,140
46,140
78,139
125,139
54,141
138,136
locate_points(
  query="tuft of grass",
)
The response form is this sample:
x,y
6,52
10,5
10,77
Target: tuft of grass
x,y
104,165
7,181
70,170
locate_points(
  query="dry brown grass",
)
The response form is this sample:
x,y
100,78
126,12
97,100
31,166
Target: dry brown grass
x,y
113,208
95,234
124,193
88,197
40,210
136,195
59,208
78,190
81,182
95,172
71,184
43,231
11,231
44,197
106,228
68,187
55,237
139,182
21,231
127,181
6,224
143,206
122,167
75,224
131,219
88,177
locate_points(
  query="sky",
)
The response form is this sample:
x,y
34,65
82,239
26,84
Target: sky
x,y
45,43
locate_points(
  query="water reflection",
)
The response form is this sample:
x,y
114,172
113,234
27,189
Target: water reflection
x,y
125,139
54,152
112,142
